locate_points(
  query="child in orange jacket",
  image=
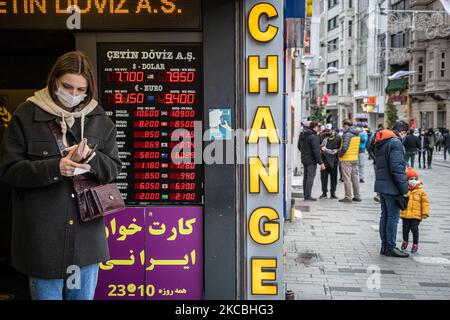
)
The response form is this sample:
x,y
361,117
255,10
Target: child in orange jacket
x,y
418,209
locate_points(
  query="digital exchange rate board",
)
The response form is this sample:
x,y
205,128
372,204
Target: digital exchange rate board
x,y
151,91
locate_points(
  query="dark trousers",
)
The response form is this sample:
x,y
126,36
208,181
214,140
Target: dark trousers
x,y
309,173
413,226
333,173
410,158
430,156
446,149
422,156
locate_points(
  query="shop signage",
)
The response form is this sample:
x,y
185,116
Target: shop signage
x,y
101,14
264,150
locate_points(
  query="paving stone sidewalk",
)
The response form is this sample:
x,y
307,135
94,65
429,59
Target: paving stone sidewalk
x,y
332,250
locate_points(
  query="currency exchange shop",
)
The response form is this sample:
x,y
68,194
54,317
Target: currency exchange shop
x,y
178,78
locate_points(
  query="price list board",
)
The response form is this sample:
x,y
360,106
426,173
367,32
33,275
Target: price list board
x,y
153,93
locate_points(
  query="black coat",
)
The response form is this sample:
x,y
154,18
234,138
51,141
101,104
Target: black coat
x,y
411,143
309,146
332,143
390,177
446,140
48,234
423,143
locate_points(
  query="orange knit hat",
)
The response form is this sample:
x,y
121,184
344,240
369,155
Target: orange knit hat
x,y
411,173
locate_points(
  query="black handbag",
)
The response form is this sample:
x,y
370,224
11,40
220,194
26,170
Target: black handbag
x,y
94,199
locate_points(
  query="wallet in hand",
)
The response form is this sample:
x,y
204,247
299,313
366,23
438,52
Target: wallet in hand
x,y
77,156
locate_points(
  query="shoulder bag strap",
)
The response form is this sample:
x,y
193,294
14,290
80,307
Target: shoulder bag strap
x,y
58,136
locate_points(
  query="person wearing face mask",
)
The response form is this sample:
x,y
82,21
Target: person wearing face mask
x,y
348,156
330,145
49,237
418,209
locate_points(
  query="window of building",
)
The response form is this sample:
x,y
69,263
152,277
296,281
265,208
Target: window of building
x,y
332,88
443,65
431,70
349,57
350,28
350,4
332,3
341,87
420,73
349,85
333,23
333,45
333,64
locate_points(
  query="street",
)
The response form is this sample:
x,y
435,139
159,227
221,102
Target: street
x,y
332,248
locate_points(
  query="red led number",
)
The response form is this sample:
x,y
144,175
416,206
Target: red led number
x,y
182,186
146,144
126,98
147,196
182,196
146,113
177,76
146,155
146,185
125,76
146,124
147,175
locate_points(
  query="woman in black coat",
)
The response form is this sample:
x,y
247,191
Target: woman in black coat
x,y
50,242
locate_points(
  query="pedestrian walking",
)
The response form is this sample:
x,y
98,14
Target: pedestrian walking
x,y
309,146
49,237
439,140
391,183
446,143
362,151
431,145
329,148
348,157
423,149
411,144
418,209
372,150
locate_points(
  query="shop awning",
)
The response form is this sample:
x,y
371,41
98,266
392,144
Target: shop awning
x,y
397,85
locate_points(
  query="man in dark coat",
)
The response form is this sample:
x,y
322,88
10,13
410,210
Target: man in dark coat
x,y
411,144
446,143
423,148
330,145
309,146
390,183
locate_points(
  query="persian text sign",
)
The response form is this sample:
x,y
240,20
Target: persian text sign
x,y
155,254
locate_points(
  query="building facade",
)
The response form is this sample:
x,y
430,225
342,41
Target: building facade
x,y
430,59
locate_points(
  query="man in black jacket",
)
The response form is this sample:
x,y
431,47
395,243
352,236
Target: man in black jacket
x,y
411,145
309,146
391,184
446,143
330,145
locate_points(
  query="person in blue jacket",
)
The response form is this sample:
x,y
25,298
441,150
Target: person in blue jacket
x,y
390,183
362,151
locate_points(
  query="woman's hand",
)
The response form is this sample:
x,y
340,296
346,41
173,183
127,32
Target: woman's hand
x,y
67,167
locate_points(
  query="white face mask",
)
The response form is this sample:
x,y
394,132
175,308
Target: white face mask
x,y
68,100
413,183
